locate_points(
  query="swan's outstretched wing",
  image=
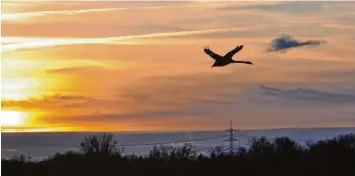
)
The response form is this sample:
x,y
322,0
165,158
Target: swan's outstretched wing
x,y
212,54
235,50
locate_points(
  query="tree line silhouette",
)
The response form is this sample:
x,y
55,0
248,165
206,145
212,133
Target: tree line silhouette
x,y
99,155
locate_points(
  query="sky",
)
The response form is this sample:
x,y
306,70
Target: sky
x,y
140,66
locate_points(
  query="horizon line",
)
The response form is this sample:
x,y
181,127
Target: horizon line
x,y
177,131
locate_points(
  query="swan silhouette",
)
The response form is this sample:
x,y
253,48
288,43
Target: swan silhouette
x,y
221,61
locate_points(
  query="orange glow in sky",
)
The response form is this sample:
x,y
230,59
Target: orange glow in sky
x,y
98,66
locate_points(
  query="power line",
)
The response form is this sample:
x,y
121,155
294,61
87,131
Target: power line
x,y
160,143
233,135
231,138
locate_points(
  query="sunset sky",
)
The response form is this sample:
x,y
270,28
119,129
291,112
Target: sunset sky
x,y
132,66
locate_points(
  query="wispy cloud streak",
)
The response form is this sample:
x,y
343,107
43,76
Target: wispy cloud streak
x,y
310,95
28,43
15,16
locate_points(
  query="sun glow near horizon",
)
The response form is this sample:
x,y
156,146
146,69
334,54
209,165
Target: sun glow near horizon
x,y
11,118
17,121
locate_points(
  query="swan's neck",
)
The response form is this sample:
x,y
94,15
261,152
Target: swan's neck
x,y
239,61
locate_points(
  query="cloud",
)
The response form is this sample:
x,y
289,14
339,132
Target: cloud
x,y
311,95
286,42
74,70
283,7
29,43
338,26
18,16
57,101
347,75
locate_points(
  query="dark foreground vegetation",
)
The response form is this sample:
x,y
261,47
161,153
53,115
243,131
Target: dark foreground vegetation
x,y
281,156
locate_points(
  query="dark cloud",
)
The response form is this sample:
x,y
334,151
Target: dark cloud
x,y
311,95
286,42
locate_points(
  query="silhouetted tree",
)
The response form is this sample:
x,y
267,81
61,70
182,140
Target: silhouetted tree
x,y
261,147
286,146
101,144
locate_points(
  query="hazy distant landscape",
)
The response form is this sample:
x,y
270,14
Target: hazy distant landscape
x,y
279,155
43,145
